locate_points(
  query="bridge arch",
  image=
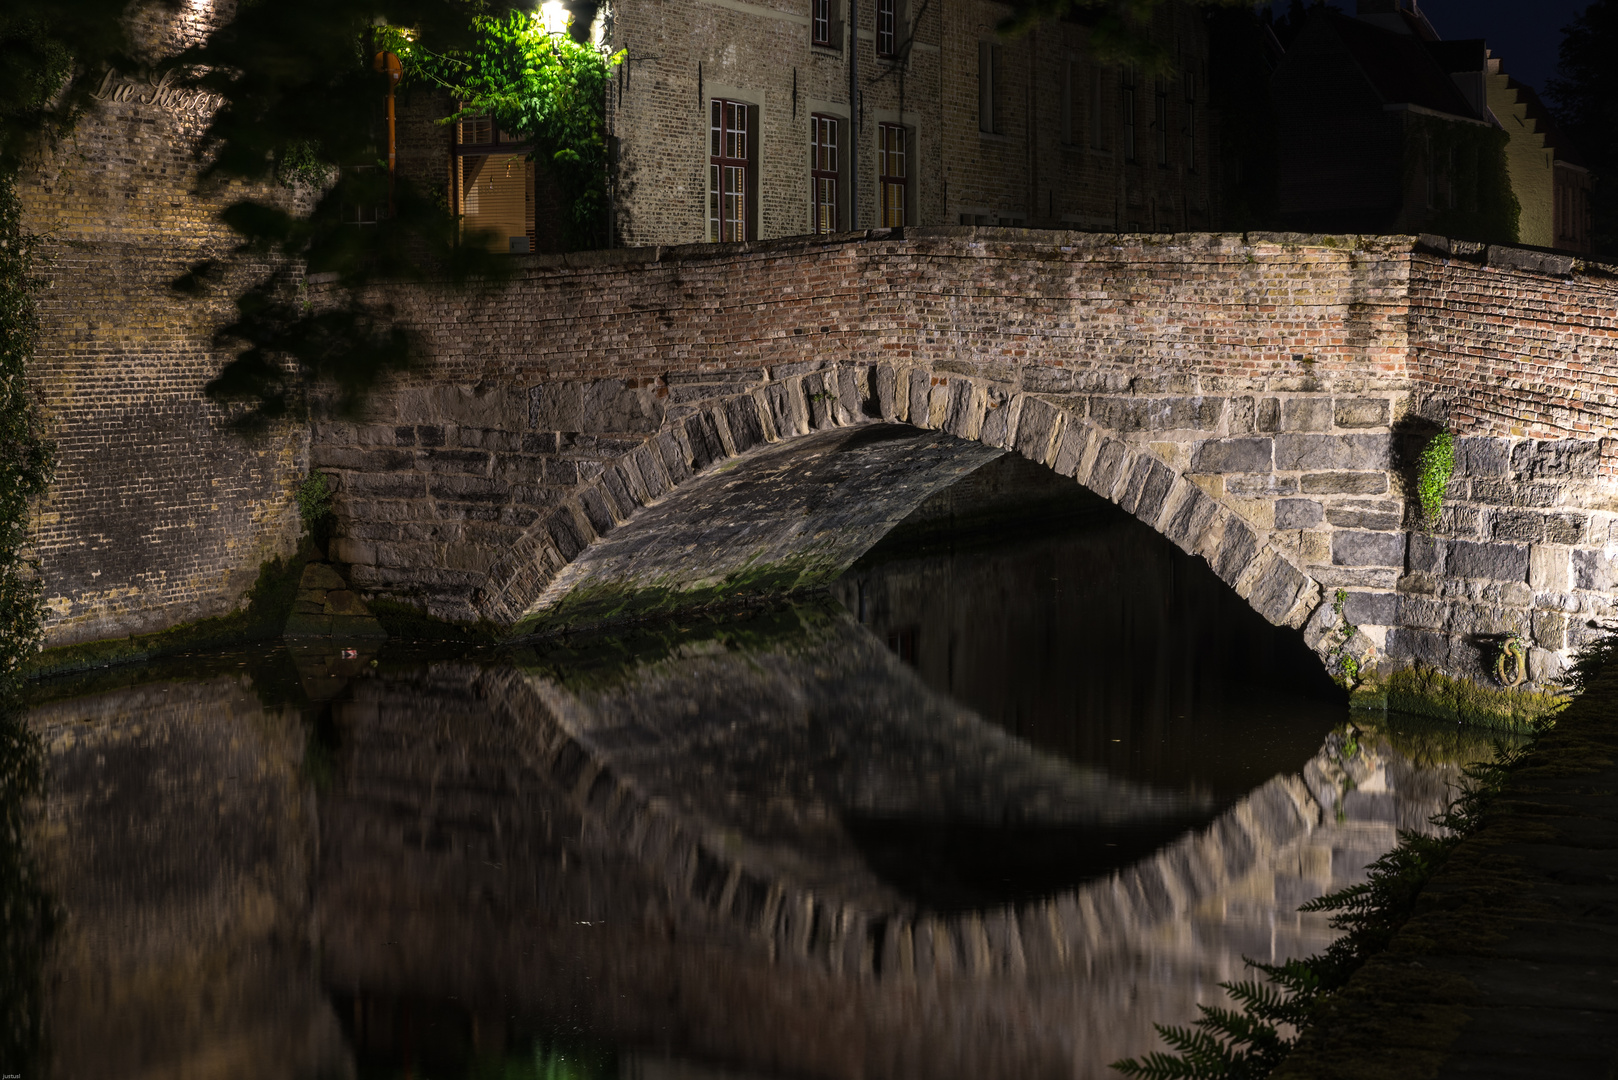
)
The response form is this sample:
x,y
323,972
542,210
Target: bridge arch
x,y
785,484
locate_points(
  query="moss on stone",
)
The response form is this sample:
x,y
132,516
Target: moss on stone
x,y
1422,691
600,659
262,617
606,603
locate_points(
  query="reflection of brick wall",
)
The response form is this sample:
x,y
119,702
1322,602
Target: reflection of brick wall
x,y
158,514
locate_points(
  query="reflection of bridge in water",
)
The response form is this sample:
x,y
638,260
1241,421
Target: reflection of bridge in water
x,y
784,855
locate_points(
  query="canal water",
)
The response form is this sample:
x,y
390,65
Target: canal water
x,y
1026,781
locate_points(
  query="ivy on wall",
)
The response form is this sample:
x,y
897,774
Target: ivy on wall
x,y
1472,159
544,88
25,457
25,471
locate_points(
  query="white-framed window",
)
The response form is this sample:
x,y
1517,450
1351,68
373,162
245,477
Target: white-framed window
x,y
825,174
729,171
893,174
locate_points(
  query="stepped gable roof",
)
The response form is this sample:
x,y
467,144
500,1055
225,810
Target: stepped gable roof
x,y
1540,117
1401,69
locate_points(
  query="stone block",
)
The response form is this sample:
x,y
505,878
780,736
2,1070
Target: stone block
x,y
1568,528
1243,418
1190,519
1482,457
1104,472
597,511
1277,590
1236,551
1515,493
702,436
1550,629
1368,548
1320,453
745,423
1250,455
919,396
1070,448
1269,415
1379,516
1423,554
1260,485
996,418
1306,414
1549,568
963,416
672,453
1494,562
1544,666
1129,414
789,413
1298,514
1372,608
1559,458
1591,570
1423,646
1036,429
1361,412
565,532
885,382
1344,483
1420,613
1517,526
1154,491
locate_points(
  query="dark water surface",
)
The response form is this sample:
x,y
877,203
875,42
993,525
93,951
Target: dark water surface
x,y
1004,799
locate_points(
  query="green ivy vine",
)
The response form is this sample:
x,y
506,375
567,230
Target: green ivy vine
x,y
546,89
26,459
26,463
1435,466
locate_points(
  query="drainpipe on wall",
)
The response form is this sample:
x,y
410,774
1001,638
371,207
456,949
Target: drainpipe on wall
x,y
854,114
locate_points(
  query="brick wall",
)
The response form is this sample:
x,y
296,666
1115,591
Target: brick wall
x,y
158,514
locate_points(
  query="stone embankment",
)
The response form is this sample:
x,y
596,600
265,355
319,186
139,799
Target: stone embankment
x,y
1509,967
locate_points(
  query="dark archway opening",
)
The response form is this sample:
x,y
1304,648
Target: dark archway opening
x,y
1074,626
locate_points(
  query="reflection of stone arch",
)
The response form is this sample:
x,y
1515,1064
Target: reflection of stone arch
x,y
562,555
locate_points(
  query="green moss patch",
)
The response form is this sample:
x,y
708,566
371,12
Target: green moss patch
x,y
606,603
268,603
1424,692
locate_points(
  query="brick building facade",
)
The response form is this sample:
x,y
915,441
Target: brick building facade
x,y
957,123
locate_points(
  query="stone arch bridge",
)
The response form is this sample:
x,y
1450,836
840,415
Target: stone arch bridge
x,y
626,430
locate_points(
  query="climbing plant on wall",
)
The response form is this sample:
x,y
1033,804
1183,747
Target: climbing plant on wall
x,y
542,87
1464,166
25,457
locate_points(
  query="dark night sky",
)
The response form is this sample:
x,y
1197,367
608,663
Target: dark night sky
x,y
1525,34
